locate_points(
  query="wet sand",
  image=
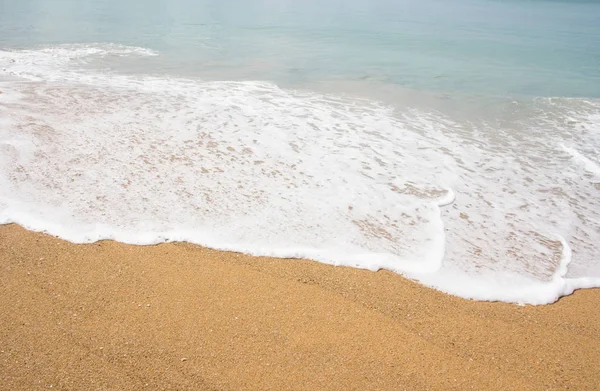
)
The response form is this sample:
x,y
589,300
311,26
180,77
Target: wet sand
x,y
110,316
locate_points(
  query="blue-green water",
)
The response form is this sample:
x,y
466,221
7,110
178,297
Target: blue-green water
x,y
455,142
534,48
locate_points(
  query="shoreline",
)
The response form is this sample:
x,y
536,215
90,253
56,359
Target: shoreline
x,y
179,316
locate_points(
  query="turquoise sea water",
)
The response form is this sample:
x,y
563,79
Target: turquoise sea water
x,y
455,142
532,48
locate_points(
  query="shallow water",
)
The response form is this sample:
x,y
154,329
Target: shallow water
x,y
456,144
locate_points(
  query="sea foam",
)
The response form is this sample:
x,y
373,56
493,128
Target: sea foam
x,y
483,211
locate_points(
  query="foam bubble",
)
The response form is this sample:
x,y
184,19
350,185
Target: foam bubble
x,y
250,167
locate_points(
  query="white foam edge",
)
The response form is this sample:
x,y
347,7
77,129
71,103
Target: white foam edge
x,y
503,286
96,48
587,164
91,233
447,199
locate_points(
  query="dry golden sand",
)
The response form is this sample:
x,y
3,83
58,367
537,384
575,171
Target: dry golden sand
x,y
109,316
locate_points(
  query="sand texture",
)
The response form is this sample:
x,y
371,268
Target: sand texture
x,y
109,316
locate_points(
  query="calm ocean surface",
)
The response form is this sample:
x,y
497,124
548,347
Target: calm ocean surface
x,y
532,48
455,142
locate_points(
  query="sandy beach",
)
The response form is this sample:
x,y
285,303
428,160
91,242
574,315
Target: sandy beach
x,y
110,316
